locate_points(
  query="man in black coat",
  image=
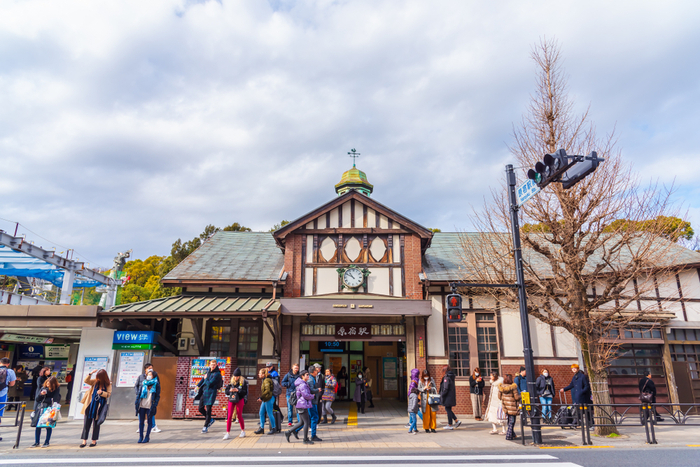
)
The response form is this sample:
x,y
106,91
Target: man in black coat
x,y
580,386
647,385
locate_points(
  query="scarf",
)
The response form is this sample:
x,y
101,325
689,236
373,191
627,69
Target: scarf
x,y
148,386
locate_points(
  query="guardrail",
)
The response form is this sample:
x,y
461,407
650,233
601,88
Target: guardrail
x,y
19,418
586,416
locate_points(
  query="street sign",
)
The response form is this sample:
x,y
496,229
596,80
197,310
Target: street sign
x,y
526,191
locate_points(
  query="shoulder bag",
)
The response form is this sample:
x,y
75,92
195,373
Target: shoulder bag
x,y
645,397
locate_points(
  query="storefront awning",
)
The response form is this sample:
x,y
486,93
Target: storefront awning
x,y
193,306
356,305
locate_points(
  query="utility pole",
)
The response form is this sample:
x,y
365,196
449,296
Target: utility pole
x,y
522,301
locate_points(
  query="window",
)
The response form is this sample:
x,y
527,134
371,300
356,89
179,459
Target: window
x,y
687,353
637,360
685,335
247,355
219,339
488,349
458,339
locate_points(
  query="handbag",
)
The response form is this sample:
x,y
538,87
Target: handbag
x,y
47,419
501,414
646,397
102,416
434,399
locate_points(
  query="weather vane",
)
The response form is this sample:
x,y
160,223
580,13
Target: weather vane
x,y
354,154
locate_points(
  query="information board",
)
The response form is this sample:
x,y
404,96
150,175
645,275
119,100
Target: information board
x,y
56,352
89,364
199,368
130,368
390,365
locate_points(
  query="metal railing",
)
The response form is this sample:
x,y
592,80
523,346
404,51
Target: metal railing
x,y
586,416
19,418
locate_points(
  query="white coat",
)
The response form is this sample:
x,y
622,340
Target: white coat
x,y
494,402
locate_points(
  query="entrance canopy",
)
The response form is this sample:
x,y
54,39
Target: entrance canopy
x,y
194,306
355,305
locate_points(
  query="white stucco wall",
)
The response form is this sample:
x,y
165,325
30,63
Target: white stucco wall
x,y
435,331
94,342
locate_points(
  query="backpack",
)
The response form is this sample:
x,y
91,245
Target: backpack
x,y
276,388
3,378
292,399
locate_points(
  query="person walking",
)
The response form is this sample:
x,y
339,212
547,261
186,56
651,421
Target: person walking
x,y
368,387
209,386
137,393
426,386
359,396
476,392
510,396
494,409
342,378
521,380
413,405
266,399
94,401
545,391
331,385
316,387
646,385
304,401
448,397
46,396
237,392
288,384
16,392
7,380
146,403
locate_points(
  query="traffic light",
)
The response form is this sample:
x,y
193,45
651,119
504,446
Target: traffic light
x,y
550,169
581,170
454,308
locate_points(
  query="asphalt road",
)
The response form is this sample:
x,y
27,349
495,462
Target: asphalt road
x,y
584,457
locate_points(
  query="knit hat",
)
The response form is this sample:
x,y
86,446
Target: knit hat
x,y
575,365
237,372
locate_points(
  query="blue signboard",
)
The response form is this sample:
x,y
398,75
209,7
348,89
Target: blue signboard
x,y
31,352
526,191
135,337
331,346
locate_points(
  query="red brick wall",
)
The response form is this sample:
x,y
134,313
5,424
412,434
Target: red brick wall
x,y
561,373
412,267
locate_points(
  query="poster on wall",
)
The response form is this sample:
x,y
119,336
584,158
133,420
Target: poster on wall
x,y
199,368
390,366
130,368
391,384
92,363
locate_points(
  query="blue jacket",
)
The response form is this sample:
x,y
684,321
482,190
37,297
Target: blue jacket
x,y
211,383
580,388
288,381
521,381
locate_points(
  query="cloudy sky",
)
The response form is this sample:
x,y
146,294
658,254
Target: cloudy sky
x,y
131,124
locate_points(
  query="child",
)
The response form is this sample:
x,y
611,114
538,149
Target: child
x,y
412,411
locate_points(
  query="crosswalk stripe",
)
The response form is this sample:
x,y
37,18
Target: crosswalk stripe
x,y
285,460
236,463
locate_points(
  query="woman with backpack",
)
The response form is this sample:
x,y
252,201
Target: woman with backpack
x,y
266,398
331,385
237,392
510,396
209,385
94,402
426,387
146,403
45,397
304,401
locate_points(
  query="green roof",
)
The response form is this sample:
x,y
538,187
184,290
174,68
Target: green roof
x,y
197,304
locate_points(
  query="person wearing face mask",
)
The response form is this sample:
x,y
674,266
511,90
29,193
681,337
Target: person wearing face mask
x,y
545,391
476,391
426,386
359,396
494,409
147,404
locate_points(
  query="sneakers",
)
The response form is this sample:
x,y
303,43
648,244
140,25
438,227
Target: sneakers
x,y
242,435
316,438
289,424
448,427
457,424
308,441
205,430
156,429
45,445
407,425
412,432
211,422
259,431
35,445
226,436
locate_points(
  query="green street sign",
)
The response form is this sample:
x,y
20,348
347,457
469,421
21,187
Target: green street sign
x,y
133,346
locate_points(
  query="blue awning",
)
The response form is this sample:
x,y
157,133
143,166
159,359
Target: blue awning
x,y
18,264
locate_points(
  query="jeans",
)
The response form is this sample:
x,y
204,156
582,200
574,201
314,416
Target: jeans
x,y
143,416
37,435
238,407
206,411
266,409
546,406
451,417
412,422
313,416
327,408
290,411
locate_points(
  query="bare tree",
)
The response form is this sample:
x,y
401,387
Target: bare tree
x,y
584,272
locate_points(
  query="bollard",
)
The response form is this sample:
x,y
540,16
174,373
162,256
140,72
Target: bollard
x,y
652,420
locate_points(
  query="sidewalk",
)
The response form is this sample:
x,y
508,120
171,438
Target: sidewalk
x,y
379,428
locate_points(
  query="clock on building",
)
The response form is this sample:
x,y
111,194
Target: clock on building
x,y
353,277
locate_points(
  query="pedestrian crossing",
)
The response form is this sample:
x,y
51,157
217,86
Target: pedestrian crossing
x,y
481,460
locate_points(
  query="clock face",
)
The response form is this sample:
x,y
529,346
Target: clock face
x,y
353,278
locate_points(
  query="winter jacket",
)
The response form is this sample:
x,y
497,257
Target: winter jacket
x,y
448,393
305,400
476,387
329,390
319,386
415,375
413,401
545,386
494,402
580,388
211,383
424,391
288,381
266,389
647,385
242,390
521,382
139,382
509,396
87,397
47,400
155,397
359,390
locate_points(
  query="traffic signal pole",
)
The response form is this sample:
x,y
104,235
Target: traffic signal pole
x,y
522,301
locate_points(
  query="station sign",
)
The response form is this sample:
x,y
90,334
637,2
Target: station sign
x,y
31,352
25,339
353,331
135,337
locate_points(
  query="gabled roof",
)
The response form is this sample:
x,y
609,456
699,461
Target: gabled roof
x,y
231,256
425,234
